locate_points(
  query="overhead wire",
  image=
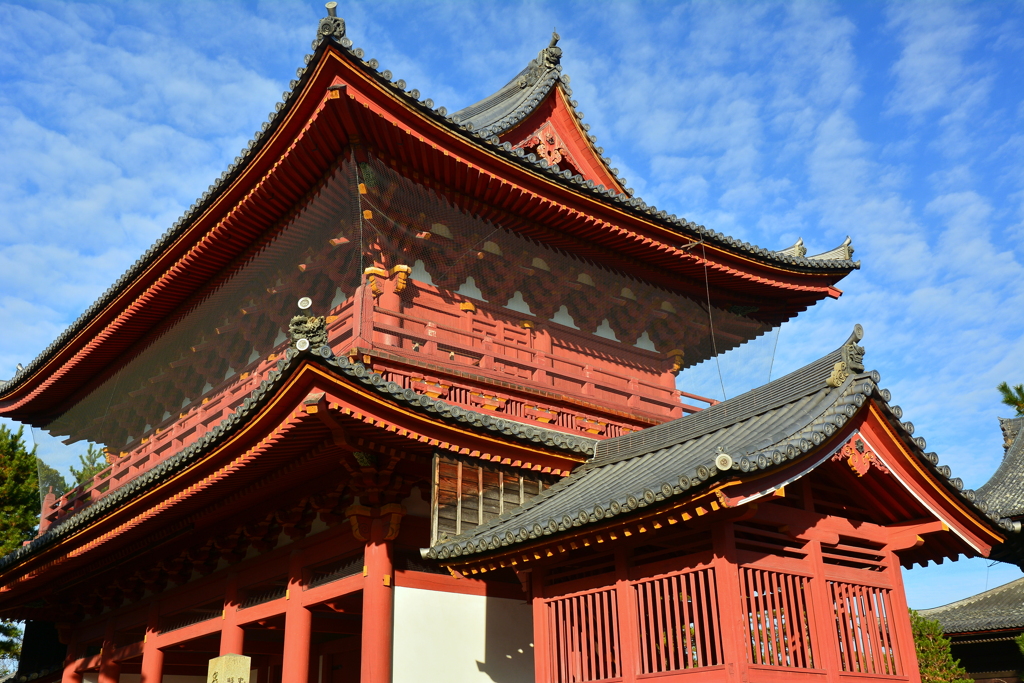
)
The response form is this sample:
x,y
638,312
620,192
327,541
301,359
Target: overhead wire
x,y
711,321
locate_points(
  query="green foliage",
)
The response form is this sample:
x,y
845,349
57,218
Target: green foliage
x,y
48,477
19,514
933,655
19,490
10,640
1013,396
93,462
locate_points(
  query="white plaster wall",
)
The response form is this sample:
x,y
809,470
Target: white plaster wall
x,y
450,638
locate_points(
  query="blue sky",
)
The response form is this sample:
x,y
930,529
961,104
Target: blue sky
x,y
901,125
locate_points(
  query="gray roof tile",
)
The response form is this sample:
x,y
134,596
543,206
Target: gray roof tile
x,y
999,608
759,430
1004,491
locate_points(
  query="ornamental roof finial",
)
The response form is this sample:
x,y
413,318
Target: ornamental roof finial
x,y
554,38
332,26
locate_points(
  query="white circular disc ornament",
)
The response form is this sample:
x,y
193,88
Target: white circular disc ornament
x,y
305,303
302,344
723,461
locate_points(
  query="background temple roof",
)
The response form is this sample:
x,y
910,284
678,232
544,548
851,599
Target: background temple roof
x,y
998,608
1005,490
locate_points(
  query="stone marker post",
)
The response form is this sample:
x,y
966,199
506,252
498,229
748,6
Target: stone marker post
x,y
229,669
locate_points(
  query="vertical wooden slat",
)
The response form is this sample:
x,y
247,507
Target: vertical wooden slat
x,y
606,634
480,496
858,625
563,647
778,642
686,620
501,493
846,621
435,498
778,618
748,604
896,654
660,632
677,604
874,636
592,653
802,627
794,622
785,582
716,624
597,634
647,656
699,615
458,498
709,606
768,655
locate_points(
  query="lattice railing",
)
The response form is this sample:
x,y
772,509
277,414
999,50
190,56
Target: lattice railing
x,y
679,622
777,620
585,637
864,629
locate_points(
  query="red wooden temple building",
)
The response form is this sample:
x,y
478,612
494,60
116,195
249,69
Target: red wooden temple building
x,y
396,400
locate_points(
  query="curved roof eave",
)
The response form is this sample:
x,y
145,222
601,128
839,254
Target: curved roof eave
x,y
253,404
331,33
762,429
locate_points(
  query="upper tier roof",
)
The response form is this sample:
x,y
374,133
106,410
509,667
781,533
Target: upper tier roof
x,y
497,113
786,281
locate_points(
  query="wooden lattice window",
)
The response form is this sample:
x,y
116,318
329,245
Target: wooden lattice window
x,y
678,622
467,493
777,623
585,637
864,629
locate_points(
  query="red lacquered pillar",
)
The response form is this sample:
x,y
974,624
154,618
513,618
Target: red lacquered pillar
x,y
541,634
71,673
378,606
731,609
298,627
152,656
232,636
110,670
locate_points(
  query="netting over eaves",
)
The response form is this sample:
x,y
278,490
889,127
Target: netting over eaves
x,y
369,216
237,320
407,223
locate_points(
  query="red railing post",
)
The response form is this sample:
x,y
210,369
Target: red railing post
x,y
629,642
731,610
824,609
904,653
541,629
